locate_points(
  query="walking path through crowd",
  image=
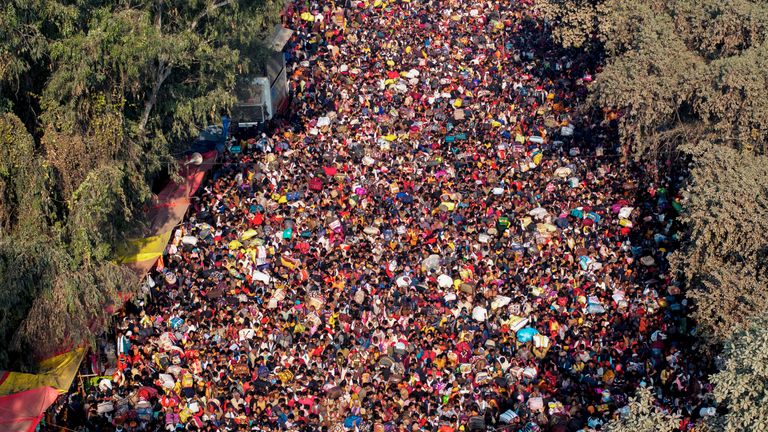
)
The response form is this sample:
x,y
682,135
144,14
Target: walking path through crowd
x,y
435,241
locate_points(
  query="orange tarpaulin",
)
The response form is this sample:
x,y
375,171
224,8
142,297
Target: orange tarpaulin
x,y
167,210
21,412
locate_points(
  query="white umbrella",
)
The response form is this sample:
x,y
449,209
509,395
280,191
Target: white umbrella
x,y
167,381
479,313
371,230
261,276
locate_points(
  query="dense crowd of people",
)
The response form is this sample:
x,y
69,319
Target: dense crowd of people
x,y
434,240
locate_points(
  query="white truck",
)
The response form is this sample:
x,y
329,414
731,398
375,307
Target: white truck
x,y
262,98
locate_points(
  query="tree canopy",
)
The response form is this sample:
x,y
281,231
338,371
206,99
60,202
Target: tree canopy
x,y
97,99
641,415
742,383
680,71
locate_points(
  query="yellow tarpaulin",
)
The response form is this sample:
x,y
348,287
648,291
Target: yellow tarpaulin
x,y
57,372
137,250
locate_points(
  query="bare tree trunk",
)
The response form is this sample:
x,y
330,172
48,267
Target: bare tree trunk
x,y
163,72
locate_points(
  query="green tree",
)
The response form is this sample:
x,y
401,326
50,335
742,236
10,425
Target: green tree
x,y
99,97
680,71
24,198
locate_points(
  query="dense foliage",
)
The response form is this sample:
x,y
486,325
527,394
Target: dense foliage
x,y
724,259
96,96
742,383
689,79
641,415
681,71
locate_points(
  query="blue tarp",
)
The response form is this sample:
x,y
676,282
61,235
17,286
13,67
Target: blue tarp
x,y
526,334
